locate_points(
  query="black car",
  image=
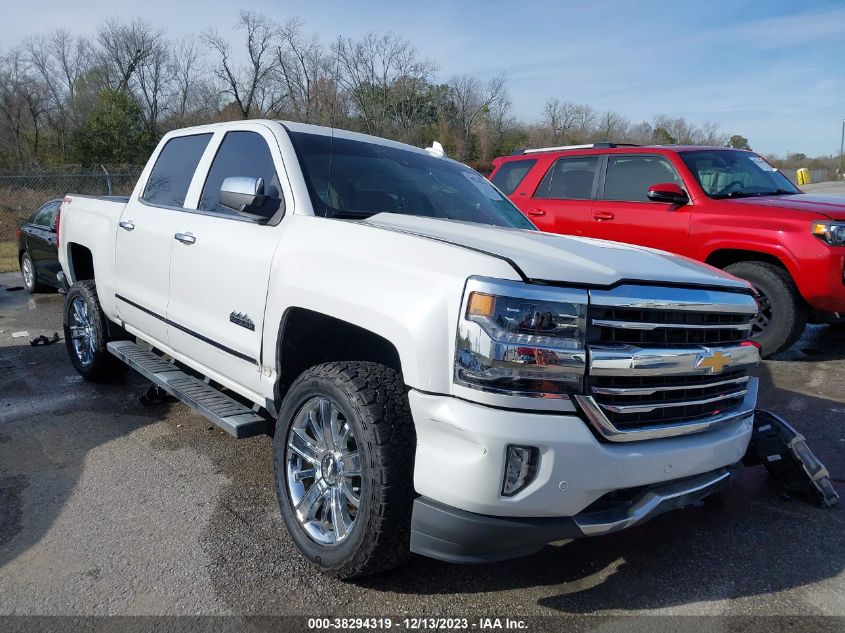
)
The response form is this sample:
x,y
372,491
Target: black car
x,y
39,251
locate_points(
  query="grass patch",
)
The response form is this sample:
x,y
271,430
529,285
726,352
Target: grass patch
x,y
9,257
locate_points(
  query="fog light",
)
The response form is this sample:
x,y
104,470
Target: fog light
x,y
520,468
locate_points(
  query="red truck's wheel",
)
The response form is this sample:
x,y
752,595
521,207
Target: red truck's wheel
x,y
783,314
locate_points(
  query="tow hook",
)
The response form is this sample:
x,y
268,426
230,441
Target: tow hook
x,y
783,451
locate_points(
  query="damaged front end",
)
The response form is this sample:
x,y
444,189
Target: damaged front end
x,y
783,451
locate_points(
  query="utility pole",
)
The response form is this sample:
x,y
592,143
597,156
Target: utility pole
x,y
841,147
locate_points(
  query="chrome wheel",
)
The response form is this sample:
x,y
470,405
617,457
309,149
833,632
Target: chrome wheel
x,y
323,471
28,272
81,331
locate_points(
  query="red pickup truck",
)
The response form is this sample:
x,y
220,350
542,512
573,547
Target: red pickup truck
x,y
728,208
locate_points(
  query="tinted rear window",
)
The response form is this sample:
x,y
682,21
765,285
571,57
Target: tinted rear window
x,y
175,166
629,177
569,179
511,173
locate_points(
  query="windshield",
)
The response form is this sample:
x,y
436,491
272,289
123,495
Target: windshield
x,y
734,174
355,179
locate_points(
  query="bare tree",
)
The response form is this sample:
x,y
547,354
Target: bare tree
x,y
123,48
250,84
153,78
471,98
641,133
191,96
23,104
612,127
60,59
709,134
305,67
382,76
561,118
585,120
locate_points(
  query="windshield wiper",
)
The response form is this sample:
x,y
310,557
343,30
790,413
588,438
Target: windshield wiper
x,y
348,214
755,194
733,194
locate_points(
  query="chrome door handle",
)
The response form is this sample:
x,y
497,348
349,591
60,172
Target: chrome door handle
x,y
185,238
127,224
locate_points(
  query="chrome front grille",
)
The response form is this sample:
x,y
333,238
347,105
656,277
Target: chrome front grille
x,y
669,399
667,362
666,327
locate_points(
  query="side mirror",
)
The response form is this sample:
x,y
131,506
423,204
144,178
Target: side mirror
x,y
240,192
667,192
246,196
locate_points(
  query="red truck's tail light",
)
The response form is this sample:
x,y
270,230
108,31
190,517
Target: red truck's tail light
x,y
17,234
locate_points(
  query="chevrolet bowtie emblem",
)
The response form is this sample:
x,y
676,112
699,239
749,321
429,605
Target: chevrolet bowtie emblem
x,y
715,362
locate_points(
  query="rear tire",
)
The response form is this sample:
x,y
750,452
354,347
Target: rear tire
x,y
367,404
87,332
783,315
30,277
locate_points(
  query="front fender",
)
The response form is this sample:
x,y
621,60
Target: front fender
x,y
406,289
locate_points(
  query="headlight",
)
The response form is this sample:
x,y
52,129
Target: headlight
x,y
521,340
830,232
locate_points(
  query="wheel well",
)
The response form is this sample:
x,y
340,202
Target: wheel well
x,y
308,338
81,262
727,256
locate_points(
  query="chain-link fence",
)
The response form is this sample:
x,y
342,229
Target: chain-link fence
x,y
21,194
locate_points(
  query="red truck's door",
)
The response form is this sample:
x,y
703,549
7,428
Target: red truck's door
x,y
622,211
562,201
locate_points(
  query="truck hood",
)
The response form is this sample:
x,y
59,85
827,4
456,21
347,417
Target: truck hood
x,y
830,206
545,257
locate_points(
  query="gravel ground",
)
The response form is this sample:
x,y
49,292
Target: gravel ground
x,y
109,507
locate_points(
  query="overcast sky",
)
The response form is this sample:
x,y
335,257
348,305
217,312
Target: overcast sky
x,y
771,70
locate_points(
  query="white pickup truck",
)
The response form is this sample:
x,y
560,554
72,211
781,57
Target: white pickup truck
x,y
439,376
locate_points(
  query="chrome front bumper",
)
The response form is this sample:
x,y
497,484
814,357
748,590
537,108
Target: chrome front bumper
x,y
651,502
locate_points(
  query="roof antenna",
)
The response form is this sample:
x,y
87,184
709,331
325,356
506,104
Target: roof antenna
x,y
436,149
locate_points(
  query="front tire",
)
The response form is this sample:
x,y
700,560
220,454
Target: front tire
x,y
343,465
30,277
86,329
783,314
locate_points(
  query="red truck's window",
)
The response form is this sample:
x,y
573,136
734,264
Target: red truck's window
x,y
629,177
175,166
735,174
569,179
511,173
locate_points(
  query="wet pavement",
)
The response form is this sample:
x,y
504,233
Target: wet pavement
x,y
111,507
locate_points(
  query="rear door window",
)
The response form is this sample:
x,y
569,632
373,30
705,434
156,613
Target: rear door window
x,y
569,179
241,153
511,173
174,169
629,177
